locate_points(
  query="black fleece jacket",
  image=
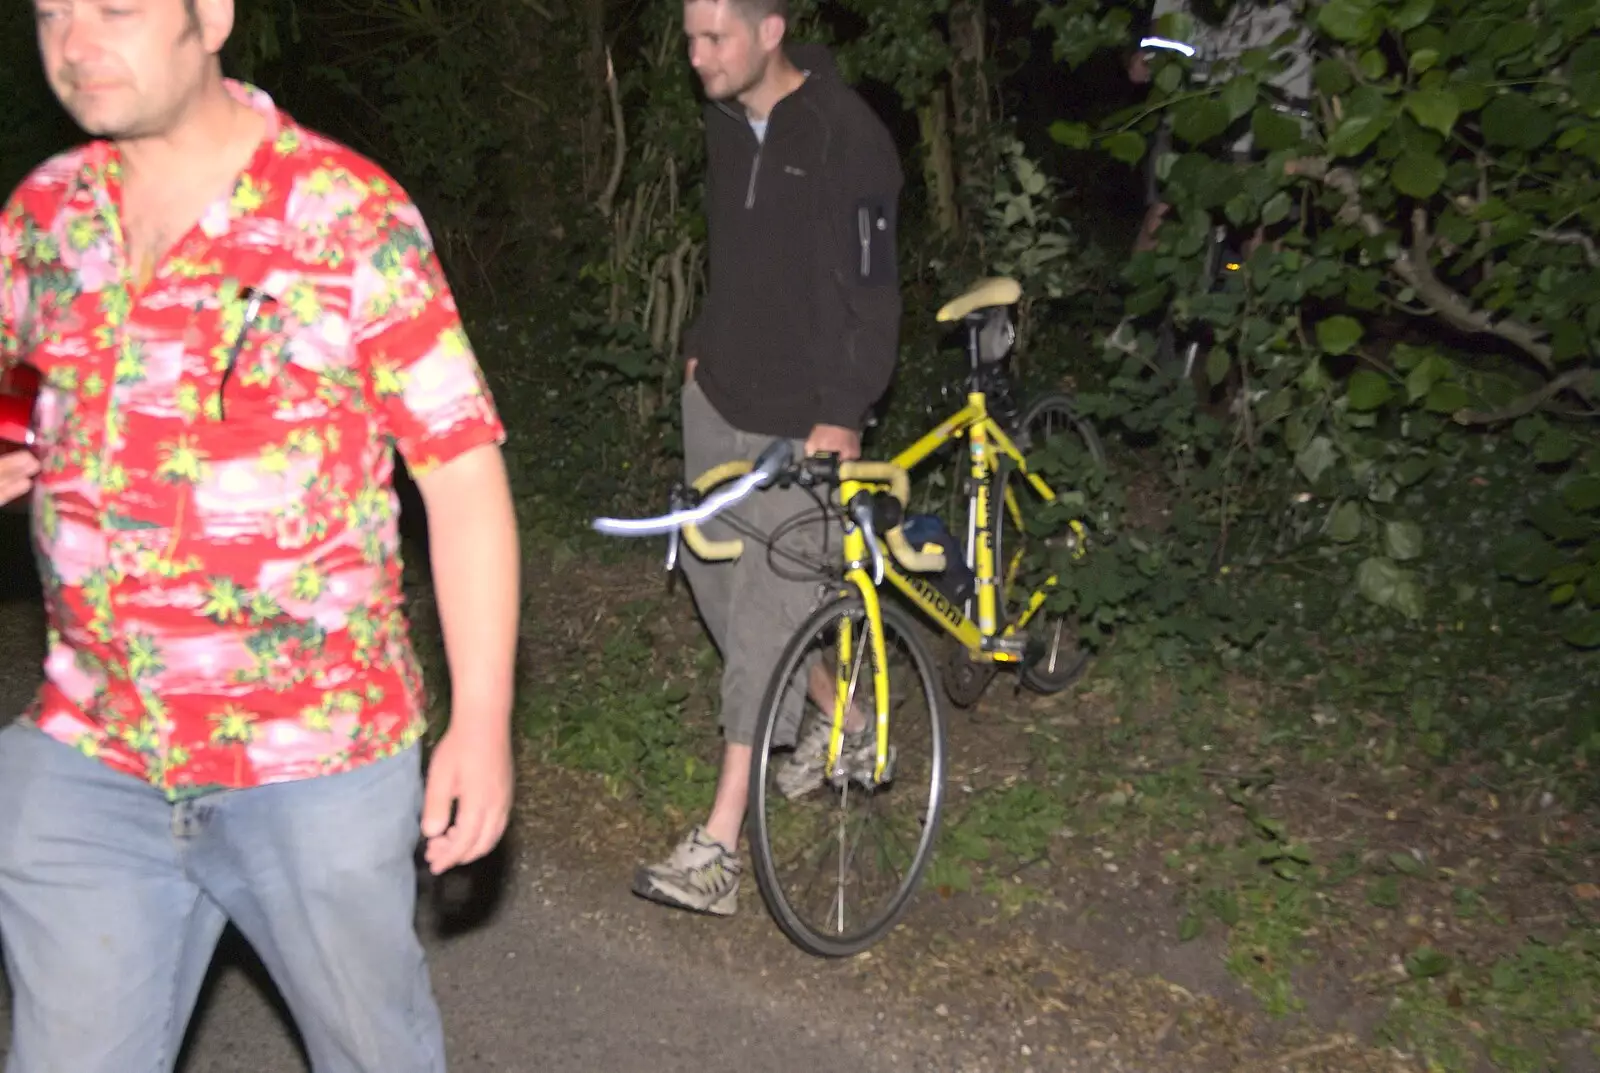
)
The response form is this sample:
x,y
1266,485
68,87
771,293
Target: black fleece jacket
x,y
801,320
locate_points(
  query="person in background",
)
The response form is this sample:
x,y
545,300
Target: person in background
x,y
796,339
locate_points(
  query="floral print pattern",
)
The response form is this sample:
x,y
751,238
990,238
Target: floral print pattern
x,y
216,522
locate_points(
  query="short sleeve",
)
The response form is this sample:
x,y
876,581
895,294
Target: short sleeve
x,y
421,372
13,286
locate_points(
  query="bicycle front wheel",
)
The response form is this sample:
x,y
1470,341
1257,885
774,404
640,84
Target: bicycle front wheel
x,y
838,859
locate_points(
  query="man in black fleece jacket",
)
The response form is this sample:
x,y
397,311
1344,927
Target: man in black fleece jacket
x,y
796,338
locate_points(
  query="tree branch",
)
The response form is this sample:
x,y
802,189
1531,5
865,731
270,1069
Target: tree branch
x,y
1572,379
619,151
1574,238
1413,268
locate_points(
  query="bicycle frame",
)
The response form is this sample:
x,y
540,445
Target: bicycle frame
x,y
981,635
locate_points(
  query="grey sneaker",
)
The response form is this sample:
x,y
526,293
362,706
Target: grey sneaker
x,y
701,874
801,773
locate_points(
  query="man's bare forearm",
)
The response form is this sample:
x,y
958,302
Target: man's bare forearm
x,y
476,560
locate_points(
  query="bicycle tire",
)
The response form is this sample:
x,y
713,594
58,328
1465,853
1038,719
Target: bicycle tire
x,y
1058,676
768,881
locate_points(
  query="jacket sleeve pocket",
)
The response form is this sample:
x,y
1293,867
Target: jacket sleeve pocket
x,y
875,239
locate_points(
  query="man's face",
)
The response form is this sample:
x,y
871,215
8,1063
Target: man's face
x,y
725,50
125,68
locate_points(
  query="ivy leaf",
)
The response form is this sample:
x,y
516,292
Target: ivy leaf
x,y
1200,121
1217,363
1446,397
1071,135
1356,133
1272,130
1402,540
1583,77
1417,173
1437,109
1346,522
1427,962
1350,21
1583,632
1412,13
1338,334
1377,579
1582,495
1369,390
1514,121
1408,596
1126,146
1239,96
1316,458
1527,557
1554,446
1276,210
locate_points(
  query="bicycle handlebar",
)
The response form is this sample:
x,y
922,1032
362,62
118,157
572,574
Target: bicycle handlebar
x,y
777,463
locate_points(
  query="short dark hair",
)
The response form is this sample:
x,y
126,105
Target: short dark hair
x,y
756,10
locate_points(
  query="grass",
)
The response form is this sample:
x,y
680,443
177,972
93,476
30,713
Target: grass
x,y
1224,773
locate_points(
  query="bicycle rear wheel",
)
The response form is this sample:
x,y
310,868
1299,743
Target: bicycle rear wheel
x,y
1057,656
816,852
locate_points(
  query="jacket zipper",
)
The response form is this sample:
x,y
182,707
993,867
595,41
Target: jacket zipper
x,y
750,193
864,230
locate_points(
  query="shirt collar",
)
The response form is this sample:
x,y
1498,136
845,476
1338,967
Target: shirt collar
x,y
102,162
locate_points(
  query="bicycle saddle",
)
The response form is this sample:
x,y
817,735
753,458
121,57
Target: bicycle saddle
x,y
984,294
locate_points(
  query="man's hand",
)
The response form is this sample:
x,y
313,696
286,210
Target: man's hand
x,y
17,470
470,769
836,440
1139,68
688,369
476,558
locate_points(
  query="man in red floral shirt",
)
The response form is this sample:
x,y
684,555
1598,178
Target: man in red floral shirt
x,y
236,320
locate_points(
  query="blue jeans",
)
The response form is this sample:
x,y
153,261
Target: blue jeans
x,y
112,901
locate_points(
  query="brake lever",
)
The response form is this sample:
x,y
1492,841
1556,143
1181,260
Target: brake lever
x,y
674,537
863,517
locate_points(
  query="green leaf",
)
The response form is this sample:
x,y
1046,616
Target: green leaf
x,y
1514,121
1369,390
1423,60
1331,77
1377,579
1126,146
1217,363
1405,863
1071,135
1557,522
1338,334
1412,13
1190,927
1239,96
1527,557
1199,121
1373,65
1413,470
1346,522
1350,21
1427,962
1582,495
1436,109
1554,446
1408,596
1583,632
1272,130
1384,892
1316,458
1276,210
1402,540
1429,371
1417,173
1583,77
1357,132
1446,397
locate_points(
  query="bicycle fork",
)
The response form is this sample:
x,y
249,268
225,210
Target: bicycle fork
x,y
850,660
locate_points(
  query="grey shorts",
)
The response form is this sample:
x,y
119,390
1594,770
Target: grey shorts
x,y
750,610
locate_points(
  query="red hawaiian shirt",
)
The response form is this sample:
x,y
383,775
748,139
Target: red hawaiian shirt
x,y
216,520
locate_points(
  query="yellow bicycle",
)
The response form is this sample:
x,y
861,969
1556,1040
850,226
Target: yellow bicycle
x,y
859,654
